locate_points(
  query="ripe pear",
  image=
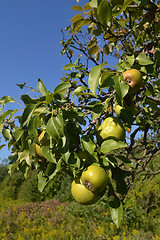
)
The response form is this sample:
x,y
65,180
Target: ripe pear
x,y
94,178
112,128
82,195
134,79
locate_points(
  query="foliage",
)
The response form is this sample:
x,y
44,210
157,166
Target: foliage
x,y
3,172
87,94
16,187
54,220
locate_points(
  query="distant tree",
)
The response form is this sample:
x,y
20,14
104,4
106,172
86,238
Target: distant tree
x,y
92,90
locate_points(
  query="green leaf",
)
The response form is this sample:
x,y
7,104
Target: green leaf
x,y
86,7
5,114
106,80
94,78
6,99
93,3
96,111
126,161
42,181
58,167
32,127
87,144
27,114
76,8
79,23
78,91
69,66
104,161
24,156
27,99
121,88
41,87
104,13
17,134
110,145
21,86
1,126
93,50
116,209
74,160
62,88
48,154
54,129
130,59
106,49
143,59
77,18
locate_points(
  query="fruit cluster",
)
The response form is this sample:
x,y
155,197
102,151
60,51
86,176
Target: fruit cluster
x,y
91,186
93,182
133,78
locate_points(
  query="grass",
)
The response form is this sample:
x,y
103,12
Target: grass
x,y
54,220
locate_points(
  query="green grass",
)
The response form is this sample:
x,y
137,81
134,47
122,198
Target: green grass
x,y
54,220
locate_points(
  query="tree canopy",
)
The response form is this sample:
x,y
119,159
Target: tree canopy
x,y
89,92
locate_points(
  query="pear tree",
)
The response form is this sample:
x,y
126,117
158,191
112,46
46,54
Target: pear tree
x,y
70,120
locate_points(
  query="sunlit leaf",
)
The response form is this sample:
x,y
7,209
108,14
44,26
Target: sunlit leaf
x,y
41,87
5,114
143,59
121,88
116,209
86,7
106,80
27,114
109,145
48,154
78,91
93,3
6,99
94,78
62,88
76,8
130,59
18,133
126,161
77,18
53,128
69,66
42,181
87,144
